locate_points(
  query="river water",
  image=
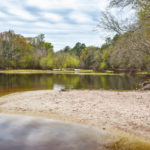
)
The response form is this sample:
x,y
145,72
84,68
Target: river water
x,y
29,133
25,82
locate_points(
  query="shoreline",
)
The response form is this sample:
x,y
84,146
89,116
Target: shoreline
x,y
123,111
70,72
77,72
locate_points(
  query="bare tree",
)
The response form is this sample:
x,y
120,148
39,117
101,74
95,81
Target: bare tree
x,y
110,23
123,3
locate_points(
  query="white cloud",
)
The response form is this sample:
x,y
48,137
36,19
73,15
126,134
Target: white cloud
x,y
64,22
2,15
15,9
41,24
54,30
52,17
102,4
70,4
21,13
80,17
50,4
16,22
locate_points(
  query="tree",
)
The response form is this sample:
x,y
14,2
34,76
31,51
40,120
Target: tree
x,y
65,60
77,49
67,49
110,23
90,58
13,47
130,49
123,3
17,51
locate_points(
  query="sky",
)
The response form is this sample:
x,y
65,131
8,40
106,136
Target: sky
x,y
64,22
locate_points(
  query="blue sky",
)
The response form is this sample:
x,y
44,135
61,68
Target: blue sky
x,y
64,22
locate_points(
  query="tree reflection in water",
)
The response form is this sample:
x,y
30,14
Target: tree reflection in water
x,y
12,82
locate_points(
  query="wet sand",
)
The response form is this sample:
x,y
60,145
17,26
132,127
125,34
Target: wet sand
x,y
108,110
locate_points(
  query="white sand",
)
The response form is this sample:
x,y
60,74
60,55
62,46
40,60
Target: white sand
x,y
127,111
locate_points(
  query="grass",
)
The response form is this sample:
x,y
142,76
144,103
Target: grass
x,y
129,142
78,72
143,73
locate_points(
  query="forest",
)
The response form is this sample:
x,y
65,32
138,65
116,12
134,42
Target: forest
x,y
127,50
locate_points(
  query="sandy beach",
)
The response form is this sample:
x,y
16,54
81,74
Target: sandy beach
x,y
125,111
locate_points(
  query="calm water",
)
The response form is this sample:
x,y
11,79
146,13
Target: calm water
x,y
29,133
12,83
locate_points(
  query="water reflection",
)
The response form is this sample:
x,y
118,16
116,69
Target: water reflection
x,y
58,87
12,82
27,133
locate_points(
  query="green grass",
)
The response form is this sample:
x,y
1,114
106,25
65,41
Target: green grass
x,y
143,73
85,71
78,72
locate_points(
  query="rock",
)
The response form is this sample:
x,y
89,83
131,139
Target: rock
x,y
64,90
145,85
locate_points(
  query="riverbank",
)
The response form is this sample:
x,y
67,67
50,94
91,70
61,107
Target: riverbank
x,y
77,72
126,111
74,71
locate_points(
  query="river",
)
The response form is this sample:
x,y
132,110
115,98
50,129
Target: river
x,y
10,83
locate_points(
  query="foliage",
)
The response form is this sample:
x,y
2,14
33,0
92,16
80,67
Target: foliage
x,y
76,50
90,58
14,50
17,51
129,49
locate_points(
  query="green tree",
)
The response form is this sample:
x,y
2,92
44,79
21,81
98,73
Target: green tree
x,y
90,58
67,49
78,48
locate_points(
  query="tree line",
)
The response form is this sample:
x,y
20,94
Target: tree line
x,y
128,50
19,52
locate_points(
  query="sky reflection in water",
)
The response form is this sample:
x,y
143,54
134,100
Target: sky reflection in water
x,y
28,133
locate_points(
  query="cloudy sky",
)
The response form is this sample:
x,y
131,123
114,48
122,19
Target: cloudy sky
x,y
64,22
